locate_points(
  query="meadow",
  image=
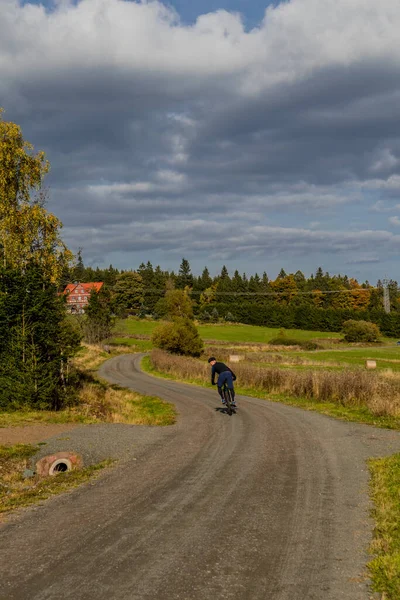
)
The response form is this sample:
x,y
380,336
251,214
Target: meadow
x,y
252,343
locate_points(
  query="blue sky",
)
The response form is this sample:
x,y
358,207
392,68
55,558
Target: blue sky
x,y
205,138
252,10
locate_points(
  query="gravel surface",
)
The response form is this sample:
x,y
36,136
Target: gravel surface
x,y
99,442
271,503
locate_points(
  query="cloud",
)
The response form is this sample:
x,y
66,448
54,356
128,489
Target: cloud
x,y
234,139
394,221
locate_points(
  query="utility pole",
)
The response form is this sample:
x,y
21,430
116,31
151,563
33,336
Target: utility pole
x,y
386,297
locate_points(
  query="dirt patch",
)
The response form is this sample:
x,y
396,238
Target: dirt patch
x,y
31,434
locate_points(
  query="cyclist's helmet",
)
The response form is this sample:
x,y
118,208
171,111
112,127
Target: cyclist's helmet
x,y
211,359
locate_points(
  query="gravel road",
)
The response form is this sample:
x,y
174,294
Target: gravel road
x,y
269,504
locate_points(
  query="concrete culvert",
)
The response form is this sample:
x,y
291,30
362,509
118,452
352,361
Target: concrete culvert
x,y
57,463
62,465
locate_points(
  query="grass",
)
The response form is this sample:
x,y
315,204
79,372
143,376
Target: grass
x,y
352,396
221,332
98,401
386,357
385,491
22,418
17,492
102,401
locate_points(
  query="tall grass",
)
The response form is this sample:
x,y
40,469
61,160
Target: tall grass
x,y
99,401
350,388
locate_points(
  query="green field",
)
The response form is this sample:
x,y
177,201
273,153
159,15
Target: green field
x,y
387,357
224,332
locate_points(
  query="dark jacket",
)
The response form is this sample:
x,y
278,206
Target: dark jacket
x,y
219,368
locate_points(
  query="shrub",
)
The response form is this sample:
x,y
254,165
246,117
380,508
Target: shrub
x,y
229,317
214,315
284,341
360,331
205,316
178,337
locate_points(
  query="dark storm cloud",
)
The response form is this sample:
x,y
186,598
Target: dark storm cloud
x,y
209,138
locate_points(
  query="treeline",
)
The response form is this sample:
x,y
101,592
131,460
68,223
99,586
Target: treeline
x,y
321,301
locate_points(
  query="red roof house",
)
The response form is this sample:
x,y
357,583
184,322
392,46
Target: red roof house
x,y
78,295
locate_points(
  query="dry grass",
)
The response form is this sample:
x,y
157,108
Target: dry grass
x,y
100,401
350,388
91,356
279,355
112,404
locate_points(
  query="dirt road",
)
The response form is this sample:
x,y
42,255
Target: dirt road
x,y
271,504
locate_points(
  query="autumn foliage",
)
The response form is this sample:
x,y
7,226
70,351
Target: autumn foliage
x,y
27,230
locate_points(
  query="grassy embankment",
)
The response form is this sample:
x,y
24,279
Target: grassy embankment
x,y
385,491
17,492
98,401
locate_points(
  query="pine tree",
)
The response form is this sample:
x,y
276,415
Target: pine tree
x,y
99,318
37,341
185,277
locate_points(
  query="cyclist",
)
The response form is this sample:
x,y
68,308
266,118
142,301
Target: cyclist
x,y
224,374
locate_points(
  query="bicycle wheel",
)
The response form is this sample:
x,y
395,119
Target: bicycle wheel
x,y
231,401
227,397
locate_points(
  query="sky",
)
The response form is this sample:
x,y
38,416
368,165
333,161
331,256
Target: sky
x,y
253,134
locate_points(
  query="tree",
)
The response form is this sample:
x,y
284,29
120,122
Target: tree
x,y
178,337
27,231
179,304
78,271
99,320
360,331
37,341
128,292
208,296
285,287
185,277
205,280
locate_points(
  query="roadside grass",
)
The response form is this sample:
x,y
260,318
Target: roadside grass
x,y
97,400
355,396
17,492
385,492
105,402
21,418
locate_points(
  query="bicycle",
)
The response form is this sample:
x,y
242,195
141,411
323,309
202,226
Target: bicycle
x,y
227,395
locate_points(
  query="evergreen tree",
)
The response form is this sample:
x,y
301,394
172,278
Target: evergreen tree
x,y
185,277
99,320
78,271
37,341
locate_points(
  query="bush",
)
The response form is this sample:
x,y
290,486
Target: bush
x,y
178,337
284,341
205,316
214,315
229,317
360,331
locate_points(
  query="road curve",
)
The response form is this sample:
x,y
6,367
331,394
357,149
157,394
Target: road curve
x,y
271,503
